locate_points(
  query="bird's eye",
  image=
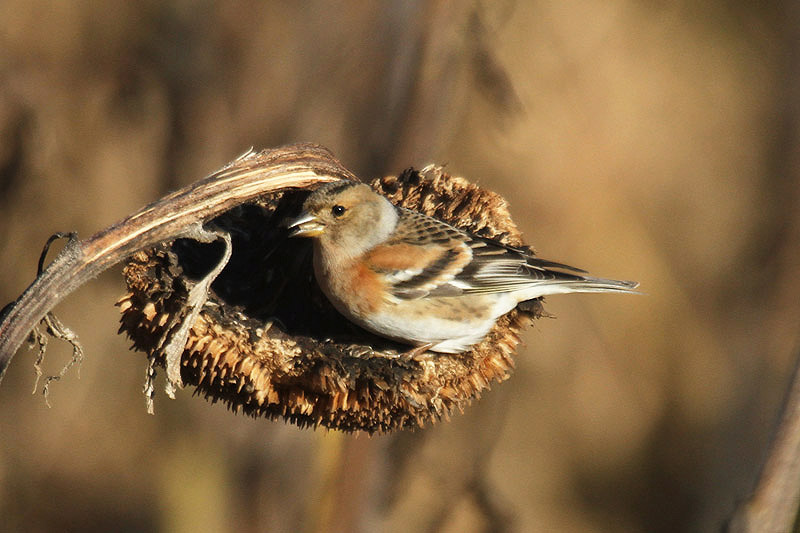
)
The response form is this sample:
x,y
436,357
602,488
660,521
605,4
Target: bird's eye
x,y
338,210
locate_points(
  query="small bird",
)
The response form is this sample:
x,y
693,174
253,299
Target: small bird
x,y
417,280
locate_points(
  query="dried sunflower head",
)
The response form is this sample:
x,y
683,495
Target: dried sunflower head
x,y
268,342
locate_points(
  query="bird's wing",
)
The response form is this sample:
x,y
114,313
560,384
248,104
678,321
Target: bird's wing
x,y
457,262
498,268
423,257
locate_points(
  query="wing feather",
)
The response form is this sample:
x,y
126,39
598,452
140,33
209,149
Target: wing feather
x,y
436,259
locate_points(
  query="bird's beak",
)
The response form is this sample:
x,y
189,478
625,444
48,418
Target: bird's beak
x,y
305,225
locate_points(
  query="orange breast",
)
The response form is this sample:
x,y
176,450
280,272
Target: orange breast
x,y
359,290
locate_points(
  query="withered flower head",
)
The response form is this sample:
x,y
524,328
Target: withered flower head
x,y
268,342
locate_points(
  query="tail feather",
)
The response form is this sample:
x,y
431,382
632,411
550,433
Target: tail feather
x,y
590,284
573,284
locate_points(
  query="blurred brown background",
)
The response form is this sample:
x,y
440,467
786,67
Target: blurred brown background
x,y
654,141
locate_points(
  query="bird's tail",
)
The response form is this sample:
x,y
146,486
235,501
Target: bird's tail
x,y
556,278
576,285
590,284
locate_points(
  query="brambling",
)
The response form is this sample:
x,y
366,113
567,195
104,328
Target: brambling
x,y
414,279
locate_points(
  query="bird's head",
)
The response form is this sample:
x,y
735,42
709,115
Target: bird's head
x,y
345,217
